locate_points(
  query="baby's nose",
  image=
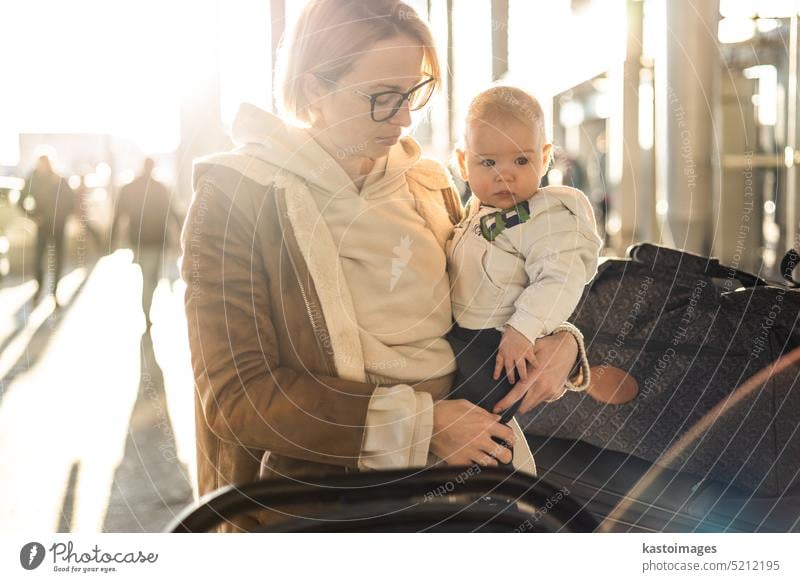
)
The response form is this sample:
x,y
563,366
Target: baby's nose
x,y
505,174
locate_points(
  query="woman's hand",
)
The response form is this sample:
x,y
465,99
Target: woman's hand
x,y
556,354
514,353
462,434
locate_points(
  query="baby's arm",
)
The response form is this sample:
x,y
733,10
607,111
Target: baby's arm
x,y
560,246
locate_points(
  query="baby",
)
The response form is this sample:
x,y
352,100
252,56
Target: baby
x,y
519,260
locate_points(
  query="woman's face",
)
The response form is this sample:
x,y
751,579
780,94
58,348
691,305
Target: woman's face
x,y
342,115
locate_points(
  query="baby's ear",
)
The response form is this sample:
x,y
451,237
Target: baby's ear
x,y
461,158
547,156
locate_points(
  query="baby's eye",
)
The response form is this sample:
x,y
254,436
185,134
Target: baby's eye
x,y
487,163
521,161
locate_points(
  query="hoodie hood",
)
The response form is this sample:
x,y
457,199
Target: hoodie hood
x,y
266,137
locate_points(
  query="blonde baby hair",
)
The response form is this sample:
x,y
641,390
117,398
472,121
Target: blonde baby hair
x,y
502,102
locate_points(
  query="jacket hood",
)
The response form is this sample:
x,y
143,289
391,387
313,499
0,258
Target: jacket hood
x,y
267,138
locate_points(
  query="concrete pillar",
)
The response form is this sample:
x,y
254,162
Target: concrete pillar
x,y
685,97
277,16
625,168
499,38
791,155
451,99
201,120
738,209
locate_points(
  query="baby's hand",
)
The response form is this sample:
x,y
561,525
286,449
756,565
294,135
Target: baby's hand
x,y
515,352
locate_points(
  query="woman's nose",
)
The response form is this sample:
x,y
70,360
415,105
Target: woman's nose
x,y
403,115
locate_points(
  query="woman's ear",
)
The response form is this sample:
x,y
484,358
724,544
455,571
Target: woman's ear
x,y
314,89
461,157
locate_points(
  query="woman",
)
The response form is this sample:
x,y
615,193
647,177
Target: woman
x,y
317,299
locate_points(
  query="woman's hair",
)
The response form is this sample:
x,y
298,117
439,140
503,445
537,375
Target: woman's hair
x,y
503,102
330,35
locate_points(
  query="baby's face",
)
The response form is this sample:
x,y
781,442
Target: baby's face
x,y
503,162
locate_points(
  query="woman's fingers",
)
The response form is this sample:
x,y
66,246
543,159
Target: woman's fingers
x,y
488,447
544,389
484,459
465,433
516,392
555,356
502,432
536,395
498,367
532,400
509,363
522,368
501,453
513,395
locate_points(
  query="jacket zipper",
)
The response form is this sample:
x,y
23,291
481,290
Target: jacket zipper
x,y
304,295
312,319
315,328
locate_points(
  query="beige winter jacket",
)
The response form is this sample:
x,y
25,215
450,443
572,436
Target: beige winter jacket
x,y
531,275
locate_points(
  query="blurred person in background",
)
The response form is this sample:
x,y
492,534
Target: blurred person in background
x,y
82,201
145,203
48,200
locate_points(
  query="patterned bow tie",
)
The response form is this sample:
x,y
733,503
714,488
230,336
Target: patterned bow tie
x,y
496,222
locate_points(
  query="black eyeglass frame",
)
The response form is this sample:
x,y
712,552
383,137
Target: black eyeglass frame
x,y
403,96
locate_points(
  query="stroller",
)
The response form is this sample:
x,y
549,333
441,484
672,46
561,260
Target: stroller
x,y
446,499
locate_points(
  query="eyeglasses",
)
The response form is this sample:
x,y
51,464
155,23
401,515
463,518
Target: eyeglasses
x,y
385,104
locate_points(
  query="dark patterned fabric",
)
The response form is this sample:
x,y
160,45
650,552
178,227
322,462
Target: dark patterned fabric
x,y
678,324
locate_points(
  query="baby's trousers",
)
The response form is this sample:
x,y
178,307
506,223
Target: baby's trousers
x,y
476,351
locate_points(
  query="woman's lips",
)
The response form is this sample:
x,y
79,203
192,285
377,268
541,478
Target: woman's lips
x,y
387,140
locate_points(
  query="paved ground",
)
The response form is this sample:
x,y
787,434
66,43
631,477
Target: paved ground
x,y
96,415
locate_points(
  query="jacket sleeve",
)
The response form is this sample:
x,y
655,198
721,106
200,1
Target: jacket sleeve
x,y
247,395
399,428
560,252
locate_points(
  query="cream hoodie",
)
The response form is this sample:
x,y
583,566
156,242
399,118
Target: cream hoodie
x,y
394,268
